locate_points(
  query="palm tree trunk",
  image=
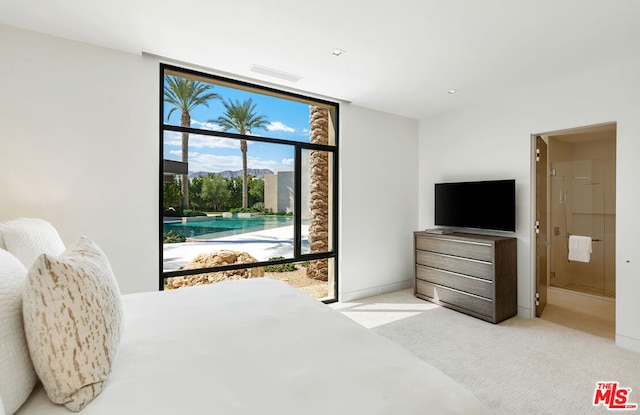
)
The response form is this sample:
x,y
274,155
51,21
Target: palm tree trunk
x,y
319,198
245,186
184,183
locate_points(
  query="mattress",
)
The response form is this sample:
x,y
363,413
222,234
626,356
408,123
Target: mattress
x,y
259,346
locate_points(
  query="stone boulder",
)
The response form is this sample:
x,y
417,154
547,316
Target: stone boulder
x,y
216,259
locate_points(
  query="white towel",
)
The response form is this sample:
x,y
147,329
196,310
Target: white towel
x,y
579,248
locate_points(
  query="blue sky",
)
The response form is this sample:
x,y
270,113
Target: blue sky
x,y
287,120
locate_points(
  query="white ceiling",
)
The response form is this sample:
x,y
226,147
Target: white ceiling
x,y
400,56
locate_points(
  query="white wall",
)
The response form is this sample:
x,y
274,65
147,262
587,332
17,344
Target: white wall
x,y
79,147
379,202
493,140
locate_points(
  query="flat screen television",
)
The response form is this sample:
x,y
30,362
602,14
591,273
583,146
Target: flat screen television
x,y
480,205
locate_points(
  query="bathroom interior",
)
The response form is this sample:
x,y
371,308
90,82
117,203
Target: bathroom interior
x,y
582,197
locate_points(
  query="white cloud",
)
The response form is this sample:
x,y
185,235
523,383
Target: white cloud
x,y
256,163
288,162
278,126
174,138
205,125
213,163
203,141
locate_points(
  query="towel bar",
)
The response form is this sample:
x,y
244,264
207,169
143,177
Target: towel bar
x,y
592,240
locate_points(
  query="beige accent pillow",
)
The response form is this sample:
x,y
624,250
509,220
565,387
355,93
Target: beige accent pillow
x,y
17,377
73,322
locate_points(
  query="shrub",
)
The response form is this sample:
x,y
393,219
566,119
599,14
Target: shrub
x,y
173,237
191,213
279,267
279,213
243,210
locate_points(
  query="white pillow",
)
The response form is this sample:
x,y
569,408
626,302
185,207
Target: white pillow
x,y
1,406
27,238
73,322
17,377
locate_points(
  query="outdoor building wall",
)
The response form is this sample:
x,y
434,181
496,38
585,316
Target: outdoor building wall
x,y
306,185
271,192
285,191
279,189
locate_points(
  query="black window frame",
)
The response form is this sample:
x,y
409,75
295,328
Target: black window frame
x,y
299,147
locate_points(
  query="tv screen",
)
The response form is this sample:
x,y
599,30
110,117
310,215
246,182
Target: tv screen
x,y
480,205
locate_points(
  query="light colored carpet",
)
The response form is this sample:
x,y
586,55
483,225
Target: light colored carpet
x,y
519,366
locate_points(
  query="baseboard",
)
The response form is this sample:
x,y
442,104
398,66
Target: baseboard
x,y
628,343
370,292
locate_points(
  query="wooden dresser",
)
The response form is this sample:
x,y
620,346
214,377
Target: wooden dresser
x,y
470,273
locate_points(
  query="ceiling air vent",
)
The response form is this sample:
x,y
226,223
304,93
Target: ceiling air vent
x,y
275,73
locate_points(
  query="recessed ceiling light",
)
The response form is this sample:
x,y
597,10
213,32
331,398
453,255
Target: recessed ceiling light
x,y
451,91
337,52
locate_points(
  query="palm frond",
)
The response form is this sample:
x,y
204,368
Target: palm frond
x,y
186,94
241,116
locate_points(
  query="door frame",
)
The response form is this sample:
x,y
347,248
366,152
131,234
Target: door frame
x,y
542,226
532,211
532,223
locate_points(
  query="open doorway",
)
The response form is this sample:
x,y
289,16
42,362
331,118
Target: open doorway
x,y
579,228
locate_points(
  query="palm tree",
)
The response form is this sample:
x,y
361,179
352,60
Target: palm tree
x,y
185,95
319,192
241,116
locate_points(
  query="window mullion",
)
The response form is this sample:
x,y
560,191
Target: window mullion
x,y
297,204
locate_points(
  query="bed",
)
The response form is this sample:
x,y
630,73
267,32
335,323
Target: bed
x,y
257,346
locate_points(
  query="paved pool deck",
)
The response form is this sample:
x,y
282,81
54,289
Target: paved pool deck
x,y
262,245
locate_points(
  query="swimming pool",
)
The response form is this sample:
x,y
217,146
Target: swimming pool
x,y
216,226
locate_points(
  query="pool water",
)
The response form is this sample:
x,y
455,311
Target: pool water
x,y
217,226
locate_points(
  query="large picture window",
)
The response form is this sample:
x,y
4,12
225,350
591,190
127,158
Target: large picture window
x,y
248,184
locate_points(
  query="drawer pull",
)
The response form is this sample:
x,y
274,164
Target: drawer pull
x,y
459,241
458,274
463,292
461,258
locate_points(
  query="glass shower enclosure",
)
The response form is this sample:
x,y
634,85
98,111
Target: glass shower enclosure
x,y
582,202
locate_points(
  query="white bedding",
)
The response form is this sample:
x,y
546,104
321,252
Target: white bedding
x,y
259,347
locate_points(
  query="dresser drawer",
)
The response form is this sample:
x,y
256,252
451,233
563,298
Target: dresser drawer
x,y
466,283
476,268
482,251
446,296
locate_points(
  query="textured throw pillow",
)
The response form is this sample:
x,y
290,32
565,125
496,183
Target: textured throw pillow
x,y
27,238
73,322
17,377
